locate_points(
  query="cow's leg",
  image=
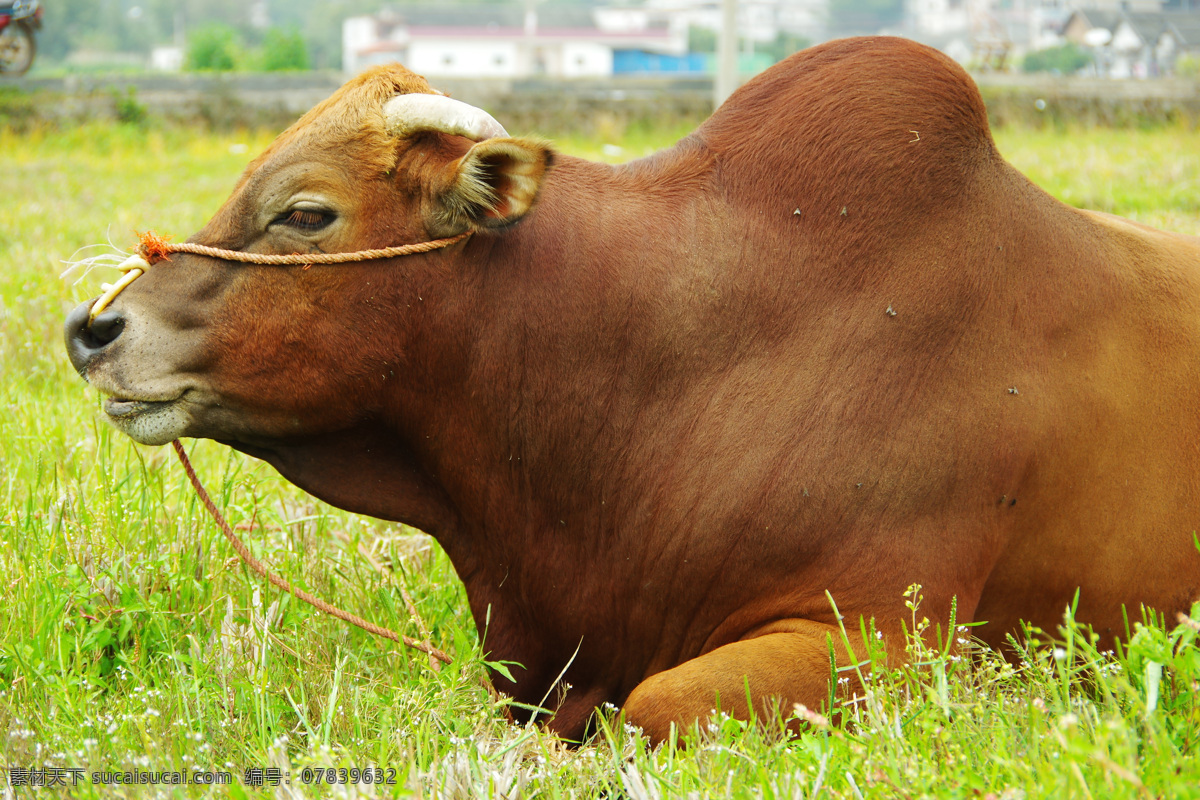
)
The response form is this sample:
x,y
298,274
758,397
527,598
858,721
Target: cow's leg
x,y
785,664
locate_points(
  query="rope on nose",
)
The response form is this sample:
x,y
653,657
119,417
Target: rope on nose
x,y
153,248
133,267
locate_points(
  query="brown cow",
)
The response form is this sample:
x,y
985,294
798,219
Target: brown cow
x,y
831,341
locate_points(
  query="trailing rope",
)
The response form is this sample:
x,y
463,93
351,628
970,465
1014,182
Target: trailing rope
x,y
153,248
425,647
315,602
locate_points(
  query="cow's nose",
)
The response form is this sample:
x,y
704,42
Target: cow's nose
x,y
85,342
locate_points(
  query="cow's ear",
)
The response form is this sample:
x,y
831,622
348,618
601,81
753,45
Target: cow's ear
x,y
495,183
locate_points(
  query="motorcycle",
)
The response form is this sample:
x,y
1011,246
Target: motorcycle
x,y
18,21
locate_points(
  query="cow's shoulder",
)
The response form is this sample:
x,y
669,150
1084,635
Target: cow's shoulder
x,y
869,121
868,91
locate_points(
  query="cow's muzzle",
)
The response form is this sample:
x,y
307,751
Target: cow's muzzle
x,y
87,342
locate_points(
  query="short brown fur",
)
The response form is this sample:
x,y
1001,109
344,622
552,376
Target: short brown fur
x,y
830,342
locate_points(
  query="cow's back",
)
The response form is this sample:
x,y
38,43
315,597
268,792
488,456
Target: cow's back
x,y
1039,362
1106,357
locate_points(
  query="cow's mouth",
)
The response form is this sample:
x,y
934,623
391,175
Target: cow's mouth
x,y
147,421
125,408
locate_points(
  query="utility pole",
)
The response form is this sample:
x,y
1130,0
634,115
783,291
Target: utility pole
x,y
727,46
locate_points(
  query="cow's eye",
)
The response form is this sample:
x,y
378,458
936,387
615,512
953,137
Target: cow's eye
x,y
306,219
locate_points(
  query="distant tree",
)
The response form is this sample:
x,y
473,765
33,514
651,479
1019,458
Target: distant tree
x,y
783,46
1066,59
137,26
61,23
284,50
701,40
131,26
213,48
864,16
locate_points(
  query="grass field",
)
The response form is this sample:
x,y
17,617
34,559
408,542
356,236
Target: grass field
x,y
132,639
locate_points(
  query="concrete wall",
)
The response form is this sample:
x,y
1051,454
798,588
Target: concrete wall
x,y
525,105
550,106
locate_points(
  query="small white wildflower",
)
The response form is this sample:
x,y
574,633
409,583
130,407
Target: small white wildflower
x,y
811,717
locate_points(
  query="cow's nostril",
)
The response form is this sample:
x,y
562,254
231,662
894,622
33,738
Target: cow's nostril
x,y
85,342
107,327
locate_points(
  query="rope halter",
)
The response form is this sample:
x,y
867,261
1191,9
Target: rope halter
x,y
153,248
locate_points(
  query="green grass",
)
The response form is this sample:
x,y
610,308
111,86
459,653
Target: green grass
x,y
1150,176
131,638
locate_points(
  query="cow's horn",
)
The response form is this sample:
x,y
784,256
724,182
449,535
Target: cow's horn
x,y
409,113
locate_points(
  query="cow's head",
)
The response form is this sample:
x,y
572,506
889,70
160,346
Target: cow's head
x,y
255,355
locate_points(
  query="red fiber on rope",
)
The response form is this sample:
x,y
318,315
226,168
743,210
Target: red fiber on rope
x,y
154,248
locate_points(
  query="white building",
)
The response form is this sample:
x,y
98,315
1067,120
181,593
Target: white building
x,y
757,20
167,58
1135,44
940,17
495,42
